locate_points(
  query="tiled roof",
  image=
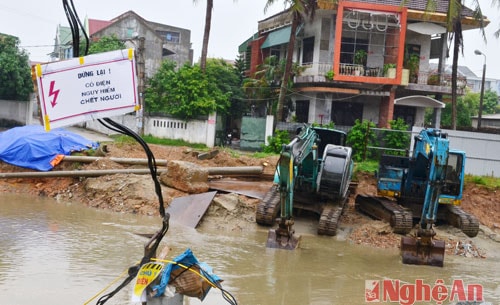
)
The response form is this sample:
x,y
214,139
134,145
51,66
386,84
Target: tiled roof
x,y
419,5
64,35
97,25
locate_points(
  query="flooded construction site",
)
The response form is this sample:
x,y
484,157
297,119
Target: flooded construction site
x,y
64,253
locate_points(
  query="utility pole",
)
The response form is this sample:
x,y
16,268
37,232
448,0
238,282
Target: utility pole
x,y
480,114
141,73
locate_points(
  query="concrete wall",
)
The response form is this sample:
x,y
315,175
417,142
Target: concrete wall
x,y
481,150
19,111
193,131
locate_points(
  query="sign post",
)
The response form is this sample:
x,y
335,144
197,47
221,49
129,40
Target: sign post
x,y
87,88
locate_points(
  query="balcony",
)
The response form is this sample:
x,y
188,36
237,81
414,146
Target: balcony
x,y
424,81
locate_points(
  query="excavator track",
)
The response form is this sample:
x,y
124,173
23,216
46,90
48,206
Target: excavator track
x,y
466,222
268,208
400,218
329,219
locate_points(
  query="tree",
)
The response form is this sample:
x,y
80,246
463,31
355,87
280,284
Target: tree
x,y
228,80
105,44
300,10
264,86
490,102
206,35
467,106
359,138
188,92
454,28
397,138
15,71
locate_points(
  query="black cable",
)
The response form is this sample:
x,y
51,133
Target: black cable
x,y
150,156
87,42
152,246
73,24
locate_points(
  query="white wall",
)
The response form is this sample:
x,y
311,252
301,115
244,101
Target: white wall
x,y
480,149
193,131
19,111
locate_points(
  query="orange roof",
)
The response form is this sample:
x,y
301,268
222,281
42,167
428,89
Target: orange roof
x,y
97,25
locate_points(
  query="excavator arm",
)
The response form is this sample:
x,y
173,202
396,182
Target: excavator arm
x,y
423,249
290,171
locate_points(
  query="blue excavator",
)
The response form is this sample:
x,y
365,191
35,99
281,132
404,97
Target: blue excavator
x,y
429,184
313,173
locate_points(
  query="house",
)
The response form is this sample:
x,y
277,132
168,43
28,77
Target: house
x,y
378,53
160,41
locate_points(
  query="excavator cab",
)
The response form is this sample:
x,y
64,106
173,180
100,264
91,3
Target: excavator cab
x,y
313,173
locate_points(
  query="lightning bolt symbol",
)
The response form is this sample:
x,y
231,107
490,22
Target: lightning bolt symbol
x,y
54,93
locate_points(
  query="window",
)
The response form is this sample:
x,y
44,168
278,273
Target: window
x,y
308,50
276,53
302,111
375,32
345,114
453,175
130,33
173,37
406,113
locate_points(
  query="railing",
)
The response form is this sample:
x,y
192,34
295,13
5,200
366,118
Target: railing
x,y
432,78
318,70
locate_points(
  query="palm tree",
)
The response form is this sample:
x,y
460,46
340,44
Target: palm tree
x,y
300,11
454,29
206,34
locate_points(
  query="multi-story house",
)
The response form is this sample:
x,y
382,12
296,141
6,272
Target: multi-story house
x,y
378,53
160,41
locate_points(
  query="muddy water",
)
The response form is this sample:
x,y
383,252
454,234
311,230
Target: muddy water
x,y
62,253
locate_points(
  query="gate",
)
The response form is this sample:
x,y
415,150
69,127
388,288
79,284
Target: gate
x,y
253,133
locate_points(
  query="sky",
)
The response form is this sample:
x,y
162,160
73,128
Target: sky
x,y
233,22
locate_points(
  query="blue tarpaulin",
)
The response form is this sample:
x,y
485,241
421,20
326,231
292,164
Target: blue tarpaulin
x,y
187,259
33,147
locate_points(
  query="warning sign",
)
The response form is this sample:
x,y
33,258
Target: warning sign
x,y
87,88
147,274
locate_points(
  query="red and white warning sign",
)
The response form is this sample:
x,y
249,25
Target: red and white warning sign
x,y
87,88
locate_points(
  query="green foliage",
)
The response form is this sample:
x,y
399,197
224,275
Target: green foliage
x,y
359,137
478,180
369,166
105,44
330,75
490,102
487,181
268,77
398,138
122,139
15,72
387,67
188,92
360,57
467,106
228,80
276,142
330,125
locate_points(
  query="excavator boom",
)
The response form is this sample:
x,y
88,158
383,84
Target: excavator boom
x,y
428,184
305,180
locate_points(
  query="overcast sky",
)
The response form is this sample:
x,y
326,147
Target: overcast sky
x,y
35,22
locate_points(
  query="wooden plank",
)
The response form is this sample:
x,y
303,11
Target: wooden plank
x,y
190,209
254,189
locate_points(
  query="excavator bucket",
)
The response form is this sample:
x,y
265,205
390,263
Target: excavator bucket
x,y
282,241
414,252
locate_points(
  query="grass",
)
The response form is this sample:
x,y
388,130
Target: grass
x,y
366,166
121,139
487,181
